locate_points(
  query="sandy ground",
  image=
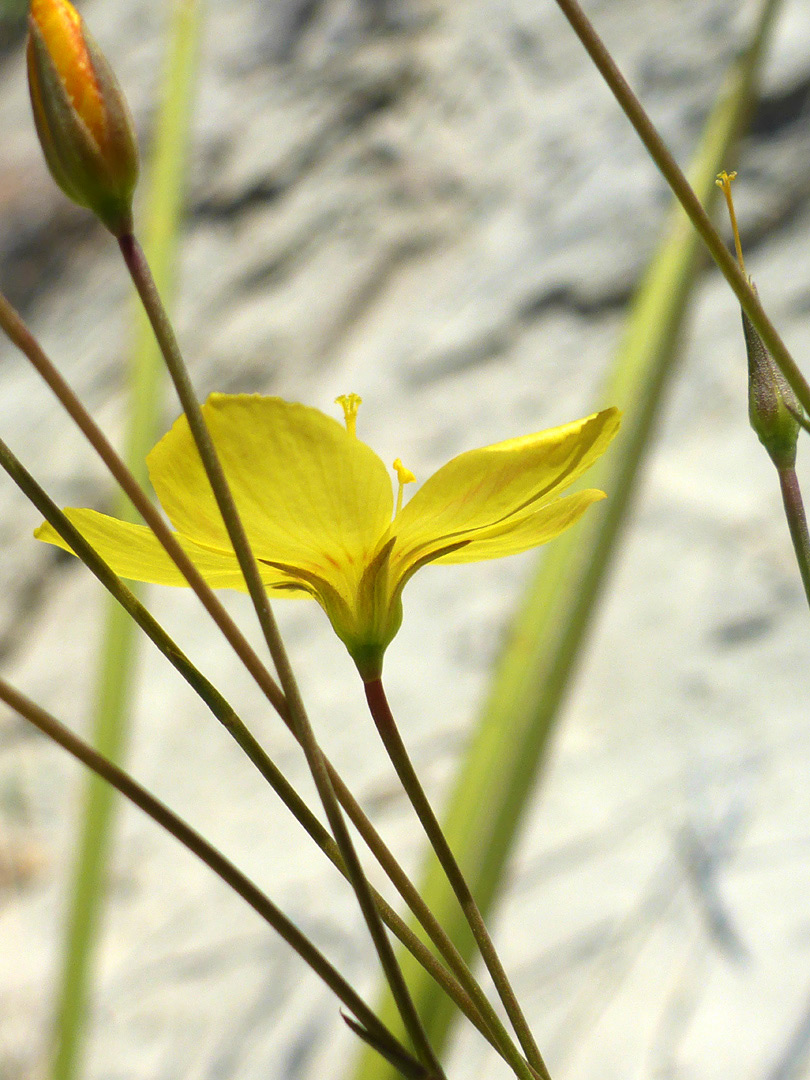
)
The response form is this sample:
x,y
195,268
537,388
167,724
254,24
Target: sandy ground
x,y
441,208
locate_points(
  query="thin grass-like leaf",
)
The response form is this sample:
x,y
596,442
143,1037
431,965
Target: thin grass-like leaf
x,y
120,636
507,750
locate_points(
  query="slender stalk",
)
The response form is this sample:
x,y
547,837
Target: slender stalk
x,y
422,912
123,595
392,740
19,334
508,747
797,522
362,888
21,337
138,267
658,151
236,727
217,862
141,275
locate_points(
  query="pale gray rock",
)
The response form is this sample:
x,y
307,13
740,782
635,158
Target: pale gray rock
x,y
440,207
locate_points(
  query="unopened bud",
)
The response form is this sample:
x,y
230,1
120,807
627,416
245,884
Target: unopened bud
x,y
773,408
81,115
772,405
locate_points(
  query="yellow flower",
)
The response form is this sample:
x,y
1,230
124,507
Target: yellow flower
x,y
318,508
81,115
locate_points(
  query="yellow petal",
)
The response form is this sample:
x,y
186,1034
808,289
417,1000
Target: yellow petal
x,y
134,552
62,30
525,532
309,494
488,487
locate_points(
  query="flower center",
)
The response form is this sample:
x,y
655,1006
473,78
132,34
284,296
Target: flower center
x,y
350,403
404,476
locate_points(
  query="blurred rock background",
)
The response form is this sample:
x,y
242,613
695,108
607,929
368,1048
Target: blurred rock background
x,y
440,207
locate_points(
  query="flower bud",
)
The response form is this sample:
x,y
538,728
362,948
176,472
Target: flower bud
x,y
82,118
772,405
773,408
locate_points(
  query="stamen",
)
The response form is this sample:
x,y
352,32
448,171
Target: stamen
x,y
405,476
350,403
723,181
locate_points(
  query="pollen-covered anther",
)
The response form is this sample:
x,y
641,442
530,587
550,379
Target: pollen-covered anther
x,y
350,403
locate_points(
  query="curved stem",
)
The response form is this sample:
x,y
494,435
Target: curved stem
x,y
659,152
19,334
227,716
389,733
138,267
412,897
214,859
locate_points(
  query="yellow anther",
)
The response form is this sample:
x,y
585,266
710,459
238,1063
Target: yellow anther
x,y
350,403
404,476
723,181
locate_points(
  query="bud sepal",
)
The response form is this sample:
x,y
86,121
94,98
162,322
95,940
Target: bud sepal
x,y
773,407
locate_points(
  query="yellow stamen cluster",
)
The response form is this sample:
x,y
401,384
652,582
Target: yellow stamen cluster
x,y
350,403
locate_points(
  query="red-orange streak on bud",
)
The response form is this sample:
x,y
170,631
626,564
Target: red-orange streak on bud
x,y
61,27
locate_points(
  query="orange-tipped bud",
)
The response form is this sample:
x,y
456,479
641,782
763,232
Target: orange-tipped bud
x,y
82,119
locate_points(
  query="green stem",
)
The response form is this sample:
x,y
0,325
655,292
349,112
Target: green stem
x,y
492,786
144,282
214,859
797,522
236,727
658,151
392,740
19,334
138,267
430,924
362,888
